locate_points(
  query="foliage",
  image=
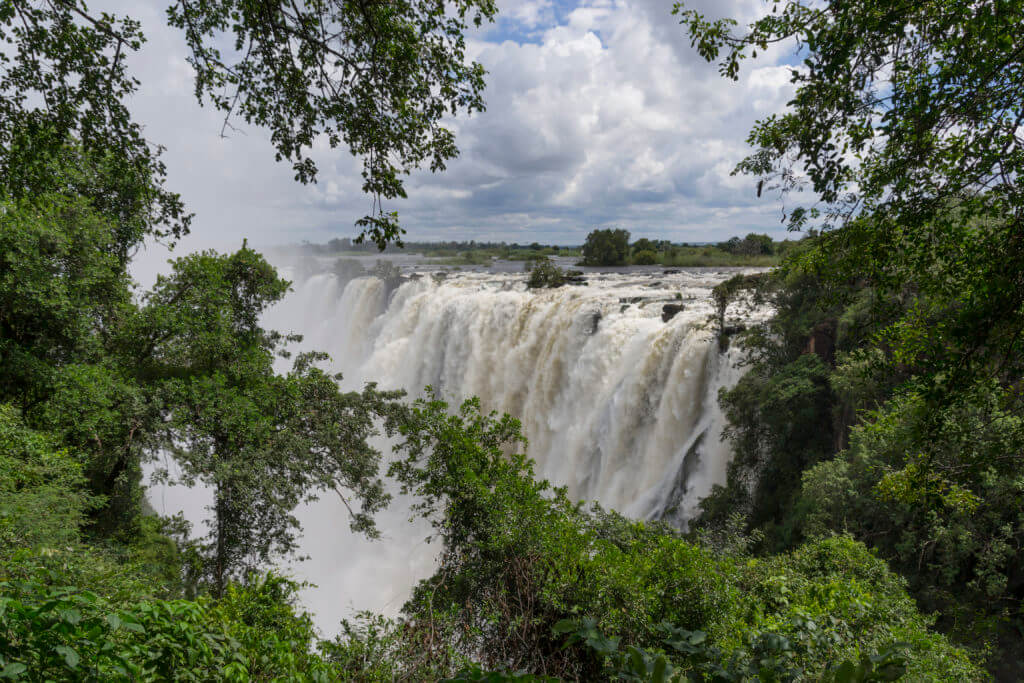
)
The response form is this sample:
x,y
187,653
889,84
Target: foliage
x,y
264,442
789,411
71,610
608,247
63,92
60,281
862,448
752,245
544,273
957,535
518,558
770,657
888,121
912,141
42,490
768,419
645,257
378,79
644,244
187,369
66,633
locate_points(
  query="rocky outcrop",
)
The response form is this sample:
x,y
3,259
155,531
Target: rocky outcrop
x,y
574,277
726,333
669,311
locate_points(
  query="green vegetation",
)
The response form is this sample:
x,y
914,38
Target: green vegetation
x,y
519,559
544,273
395,73
645,257
751,245
606,248
469,253
834,431
476,257
734,253
876,488
688,256
883,399
612,248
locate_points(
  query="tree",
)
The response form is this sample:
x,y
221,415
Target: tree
x,y
751,245
377,77
913,142
907,125
606,248
644,244
519,560
264,442
645,258
190,369
544,273
907,121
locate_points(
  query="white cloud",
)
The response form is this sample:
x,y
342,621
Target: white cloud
x,y
598,114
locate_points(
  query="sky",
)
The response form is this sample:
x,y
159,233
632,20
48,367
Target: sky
x,y
599,114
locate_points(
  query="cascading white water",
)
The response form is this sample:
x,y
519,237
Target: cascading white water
x,y
618,404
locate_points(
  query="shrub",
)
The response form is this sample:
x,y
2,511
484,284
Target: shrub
x,y
544,273
519,558
645,258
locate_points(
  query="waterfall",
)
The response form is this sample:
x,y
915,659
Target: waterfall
x,y
617,398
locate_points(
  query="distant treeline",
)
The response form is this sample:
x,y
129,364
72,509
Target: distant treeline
x,y
612,247
347,244
606,247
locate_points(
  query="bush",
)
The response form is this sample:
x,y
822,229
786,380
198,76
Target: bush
x,y
645,258
519,558
544,273
606,248
66,633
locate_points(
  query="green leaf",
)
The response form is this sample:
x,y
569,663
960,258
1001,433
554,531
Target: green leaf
x,y
13,670
565,626
661,670
71,658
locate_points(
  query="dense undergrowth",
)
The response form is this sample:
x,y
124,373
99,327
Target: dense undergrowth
x,y
529,581
850,419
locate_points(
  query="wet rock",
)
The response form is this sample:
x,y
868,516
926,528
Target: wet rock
x,y
595,320
671,271
670,512
574,277
669,311
725,335
631,300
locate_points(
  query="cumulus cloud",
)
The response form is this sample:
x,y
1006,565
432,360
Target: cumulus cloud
x,y
598,113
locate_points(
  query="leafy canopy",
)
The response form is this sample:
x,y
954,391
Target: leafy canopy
x,y
906,123
378,77
608,247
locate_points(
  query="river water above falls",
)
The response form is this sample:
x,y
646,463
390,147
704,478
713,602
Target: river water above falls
x,y
615,383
